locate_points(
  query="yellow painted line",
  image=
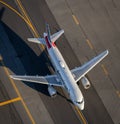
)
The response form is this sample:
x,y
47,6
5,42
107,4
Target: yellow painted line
x,y
81,115
105,70
18,93
11,8
89,44
10,101
0,58
23,10
27,18
118,93
75,19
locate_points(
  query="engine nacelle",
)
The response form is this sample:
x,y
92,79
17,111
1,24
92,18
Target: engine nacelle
x,y
85,82
52,91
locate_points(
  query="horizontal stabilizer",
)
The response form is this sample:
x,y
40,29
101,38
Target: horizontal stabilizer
x,y
37,40
55,36
84,69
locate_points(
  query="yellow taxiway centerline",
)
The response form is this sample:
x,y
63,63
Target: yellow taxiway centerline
x,y
75,19
105,70
118,93
27,18
10,101
30,24
14,10
81,115
89,44
23,10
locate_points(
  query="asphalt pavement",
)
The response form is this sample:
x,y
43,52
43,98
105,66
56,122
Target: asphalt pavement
x,y
81,42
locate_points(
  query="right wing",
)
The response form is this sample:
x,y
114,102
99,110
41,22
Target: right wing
x,y
84,69
49,79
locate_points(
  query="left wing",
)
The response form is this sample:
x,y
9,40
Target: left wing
x,y
49,80
83,70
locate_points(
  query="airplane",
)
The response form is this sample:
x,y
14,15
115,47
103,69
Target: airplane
x,y
63,77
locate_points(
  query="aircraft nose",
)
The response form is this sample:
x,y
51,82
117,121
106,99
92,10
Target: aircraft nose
x,y
81,106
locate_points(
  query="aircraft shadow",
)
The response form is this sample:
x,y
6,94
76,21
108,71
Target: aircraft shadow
x,y
2,10
32,63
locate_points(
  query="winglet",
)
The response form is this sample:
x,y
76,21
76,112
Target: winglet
x,y
105,53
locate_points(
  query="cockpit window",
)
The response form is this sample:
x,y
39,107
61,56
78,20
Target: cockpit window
x,y
79,102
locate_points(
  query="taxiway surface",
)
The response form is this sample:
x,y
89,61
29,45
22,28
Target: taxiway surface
x,y
34,62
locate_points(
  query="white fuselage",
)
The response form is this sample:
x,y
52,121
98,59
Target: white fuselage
x,y
65,75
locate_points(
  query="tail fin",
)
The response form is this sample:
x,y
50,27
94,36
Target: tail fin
x,y
55,36
48,31
52,38
37,40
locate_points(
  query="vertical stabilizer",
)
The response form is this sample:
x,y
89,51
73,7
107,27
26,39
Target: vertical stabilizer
x,y
55,36
48,32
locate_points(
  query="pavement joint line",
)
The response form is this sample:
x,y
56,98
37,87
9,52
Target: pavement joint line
x,y
89,44
81,115
10,101
75,19
18,93
104,69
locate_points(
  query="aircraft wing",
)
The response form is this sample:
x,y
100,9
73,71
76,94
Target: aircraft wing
x,y
55,36
84,69
49,80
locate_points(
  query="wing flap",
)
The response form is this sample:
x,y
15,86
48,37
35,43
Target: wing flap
x,y
83,70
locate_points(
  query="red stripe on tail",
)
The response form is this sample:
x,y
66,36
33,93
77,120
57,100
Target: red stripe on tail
x,y
47,42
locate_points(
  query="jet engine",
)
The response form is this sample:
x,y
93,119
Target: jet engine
x,y
52,91
85,82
